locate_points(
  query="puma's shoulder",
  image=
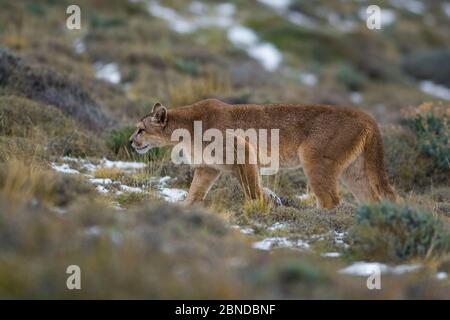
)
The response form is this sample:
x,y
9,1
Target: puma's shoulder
x,y
209,103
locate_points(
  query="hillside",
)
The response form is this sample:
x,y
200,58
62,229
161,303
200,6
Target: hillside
x,y
73,192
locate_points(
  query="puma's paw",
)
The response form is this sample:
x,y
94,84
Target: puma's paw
x,y
272,196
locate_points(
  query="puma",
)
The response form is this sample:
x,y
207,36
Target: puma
x,y
329,143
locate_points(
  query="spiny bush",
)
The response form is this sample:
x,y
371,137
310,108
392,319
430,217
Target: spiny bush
x,y
390,232
432,127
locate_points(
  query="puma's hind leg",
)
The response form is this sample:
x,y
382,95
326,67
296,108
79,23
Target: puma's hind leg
x,y
322,179
355,179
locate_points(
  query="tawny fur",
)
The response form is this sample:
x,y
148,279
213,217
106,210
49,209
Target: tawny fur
x,y
330,143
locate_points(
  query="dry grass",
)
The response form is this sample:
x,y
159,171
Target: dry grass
x,y
258,206
111,173
23,181
191,89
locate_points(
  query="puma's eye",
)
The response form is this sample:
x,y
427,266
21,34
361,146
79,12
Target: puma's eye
x,y
140,131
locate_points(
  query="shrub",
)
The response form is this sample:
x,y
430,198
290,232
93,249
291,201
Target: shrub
x,y
19,77
22,117
117,140
350,76
407,167
22,182
38,124
386,231
104,22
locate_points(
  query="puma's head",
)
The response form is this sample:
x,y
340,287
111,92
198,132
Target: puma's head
x,y
148,132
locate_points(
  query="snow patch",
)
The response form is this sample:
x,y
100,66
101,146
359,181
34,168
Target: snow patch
x,y
301,20
125,165
414,6
64,168
126,188
100,181
339,238
242,36
441,275
221,16
277,4
173,194
101,189
280,242
108,72
265,53
308,78
336,21
278,225
331,254
244,230
356,97
281,7
446,8
434,89
169,194
79,46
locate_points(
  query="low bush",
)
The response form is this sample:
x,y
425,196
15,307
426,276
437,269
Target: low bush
x,y
117,140
407,167
39,124
431,125
350,77
390,232
29,182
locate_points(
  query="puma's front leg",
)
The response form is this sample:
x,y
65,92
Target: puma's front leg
x,y
204,178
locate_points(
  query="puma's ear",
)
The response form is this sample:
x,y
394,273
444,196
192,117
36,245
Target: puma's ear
x,y
156,105
159,114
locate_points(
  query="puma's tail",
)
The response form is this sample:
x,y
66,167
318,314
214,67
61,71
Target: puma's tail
x,y
374,167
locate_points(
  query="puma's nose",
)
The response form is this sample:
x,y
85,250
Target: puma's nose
x,y
130,143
